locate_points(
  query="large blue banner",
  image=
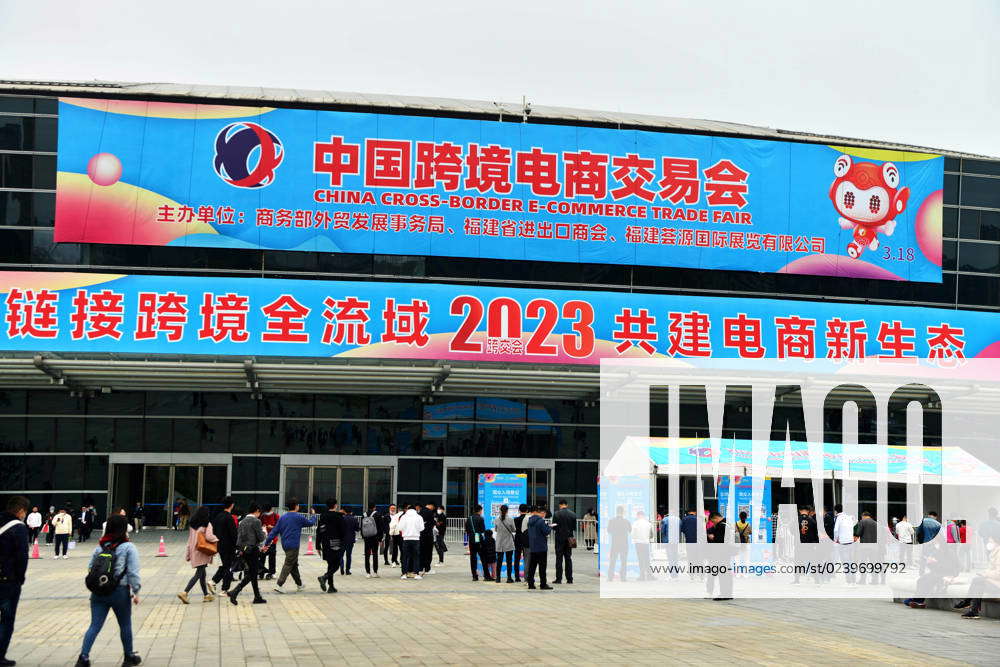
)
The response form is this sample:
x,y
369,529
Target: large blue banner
x,y
148,314
496,489
160,173
743,502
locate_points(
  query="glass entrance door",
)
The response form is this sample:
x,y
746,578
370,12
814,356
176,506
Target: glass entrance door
x,y
165,485
156,495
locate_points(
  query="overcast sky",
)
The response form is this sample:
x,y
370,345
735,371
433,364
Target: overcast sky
x,y
925,73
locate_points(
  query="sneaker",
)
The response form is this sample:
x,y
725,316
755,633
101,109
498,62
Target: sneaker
x,y
81,661
962,604
299,589
183,597
322,583
404,577
56,557
417,576
232,597
376,576
209,598
367,576
133,659
279,589
918,605
429,572
65,557
546,587
259,601
971,614
211,589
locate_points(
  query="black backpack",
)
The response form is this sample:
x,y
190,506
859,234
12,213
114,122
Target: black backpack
x,y
101,579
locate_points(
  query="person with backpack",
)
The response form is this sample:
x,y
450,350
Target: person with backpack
x,y
249,538
329,540
371,533
289,529
114,584
62,525
13,568
475,528
224,528
202,546
349,538
504,534
744,530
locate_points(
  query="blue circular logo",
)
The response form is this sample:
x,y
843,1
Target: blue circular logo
x,y
246,155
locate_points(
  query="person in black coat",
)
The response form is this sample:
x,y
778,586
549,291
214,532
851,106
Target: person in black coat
x,y
330,540
565,525
348,537
13,567
521,541
427,537
224,528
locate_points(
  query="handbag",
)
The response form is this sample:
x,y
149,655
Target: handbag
x,y
571,542
204,546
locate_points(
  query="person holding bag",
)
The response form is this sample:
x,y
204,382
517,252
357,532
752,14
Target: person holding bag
x,y
202,545
475,527
330,539
504,531
249,538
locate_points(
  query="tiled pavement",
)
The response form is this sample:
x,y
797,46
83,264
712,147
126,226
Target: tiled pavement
x,y
448,619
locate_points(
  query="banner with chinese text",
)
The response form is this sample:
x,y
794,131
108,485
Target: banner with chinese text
x,y
159,173
149,314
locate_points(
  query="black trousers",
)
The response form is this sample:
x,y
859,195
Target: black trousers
x,y
426,550
62,541
345,557
371,554
518,551
224,573
410,556
397,549
441,547
539,561
252,558
474,553
510,564
564,555
332,565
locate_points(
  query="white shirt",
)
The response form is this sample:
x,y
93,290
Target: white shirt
x,y
641,529
904,531
34,520
104,527
394,523
843,529
411,524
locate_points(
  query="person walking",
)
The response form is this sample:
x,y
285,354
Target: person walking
x,y
521,541
125,570
34,523
504,533
371,534
428,513
475,526
62,525
201,548
138,514
348,540
538,545
249,538
388,543
268,519
224,528
289,529
565,541
329,539
440,526
13,568
410,525
395,536
590,529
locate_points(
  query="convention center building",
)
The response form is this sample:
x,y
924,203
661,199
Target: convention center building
x,y
272,293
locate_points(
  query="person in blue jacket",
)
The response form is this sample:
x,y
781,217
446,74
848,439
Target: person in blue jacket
x,y
689,527
351,528
289,528
538,545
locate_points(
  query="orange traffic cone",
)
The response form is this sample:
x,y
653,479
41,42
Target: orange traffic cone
x,y
310,551
34,550
163,549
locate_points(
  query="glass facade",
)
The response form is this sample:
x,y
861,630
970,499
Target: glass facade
x,y
275,445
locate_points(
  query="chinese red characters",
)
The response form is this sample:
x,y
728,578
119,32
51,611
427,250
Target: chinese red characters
x,y
868,198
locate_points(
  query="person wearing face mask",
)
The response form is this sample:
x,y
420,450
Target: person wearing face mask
x,y
393,540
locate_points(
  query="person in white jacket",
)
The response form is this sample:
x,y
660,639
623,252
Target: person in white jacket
x,y
34,522
409,527
843,535
392,542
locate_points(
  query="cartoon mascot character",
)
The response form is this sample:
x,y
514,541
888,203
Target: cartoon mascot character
x,y
868,198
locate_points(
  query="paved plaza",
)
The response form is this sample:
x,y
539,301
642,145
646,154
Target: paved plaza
x,y
448,619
